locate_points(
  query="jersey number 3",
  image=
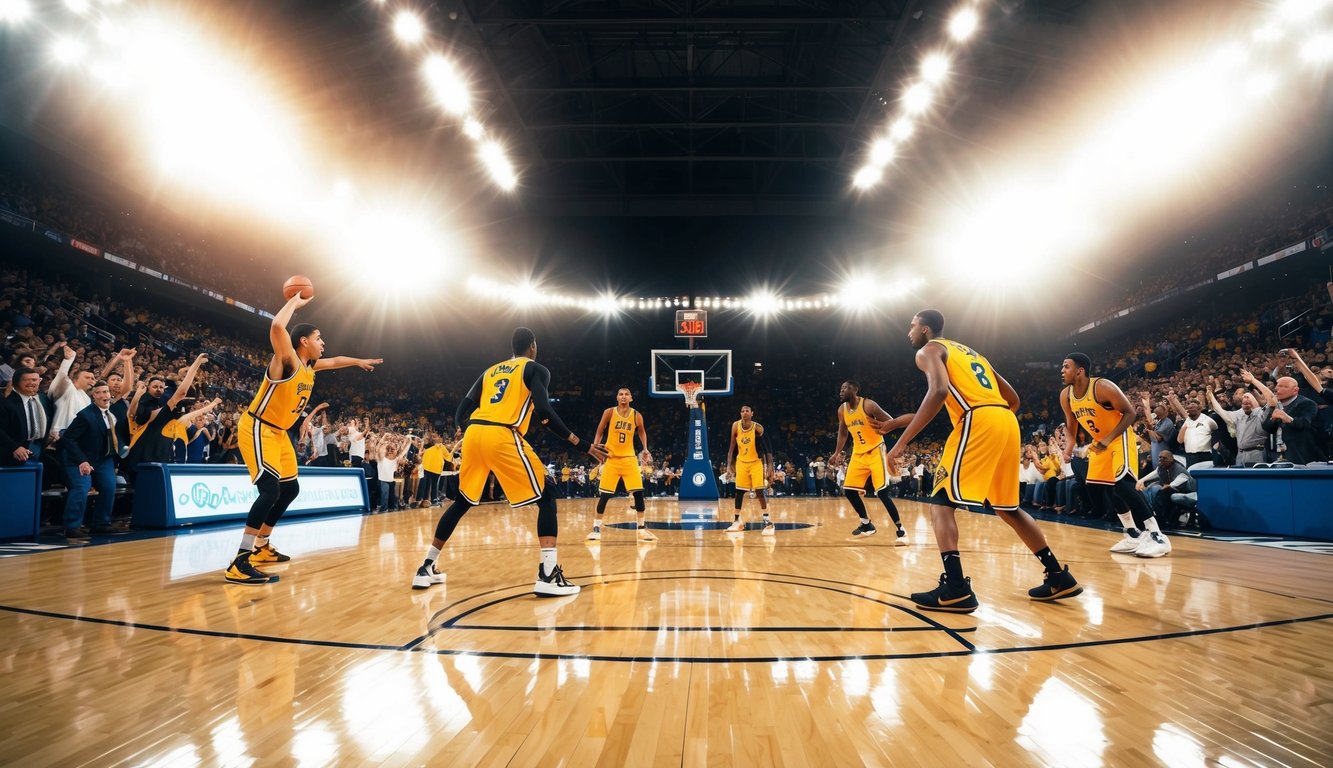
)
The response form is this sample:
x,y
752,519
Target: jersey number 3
x,y
980,371
500,387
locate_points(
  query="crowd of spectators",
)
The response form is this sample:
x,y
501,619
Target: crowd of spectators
x,y
387,422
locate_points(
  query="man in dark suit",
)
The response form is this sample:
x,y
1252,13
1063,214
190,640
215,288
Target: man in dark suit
x,y
89,449
25,419
1290,418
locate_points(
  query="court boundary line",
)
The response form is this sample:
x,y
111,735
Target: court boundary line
x,y
413,646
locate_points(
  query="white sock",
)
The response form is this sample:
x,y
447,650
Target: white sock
x,y
548,560
432,555
261,542
1151,525
597,524
865,521
247,542
1127,520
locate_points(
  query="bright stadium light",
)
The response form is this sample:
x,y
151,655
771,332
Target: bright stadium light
x,y
1300,10
1266,34
398,243
407,27
882,152
447,85
1231,56
110,73
917,98
902,129
68,51
867,177
1318,48
1260,84
763,303
493,157
78,6
934,68
473,129
109,33
963,24
14,10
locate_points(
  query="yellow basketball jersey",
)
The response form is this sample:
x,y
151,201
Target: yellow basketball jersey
x,y
620,436
279,403
747,449
858,424
972,380
1096,418
505,399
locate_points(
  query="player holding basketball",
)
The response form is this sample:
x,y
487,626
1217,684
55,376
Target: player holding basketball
x,y
869,461
494,415
750,468
620,423
262,434
979,466
1101,408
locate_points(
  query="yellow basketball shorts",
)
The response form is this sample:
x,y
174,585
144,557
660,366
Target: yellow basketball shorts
x,y
749,475
265,448
1118,460
503,451
980,460
619,469
870,465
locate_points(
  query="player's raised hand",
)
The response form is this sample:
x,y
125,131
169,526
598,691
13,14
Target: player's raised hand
x,y
368,364
598,451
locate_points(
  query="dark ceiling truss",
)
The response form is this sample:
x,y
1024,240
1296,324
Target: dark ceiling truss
x,y
683,100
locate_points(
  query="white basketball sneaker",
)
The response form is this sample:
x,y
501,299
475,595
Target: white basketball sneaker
x,y
553,584
737,527
596,535
1153,545
1128,545
426,576
901,539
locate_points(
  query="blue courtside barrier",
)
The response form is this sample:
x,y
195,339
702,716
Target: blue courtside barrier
x,y
173,495
1282,502
21,501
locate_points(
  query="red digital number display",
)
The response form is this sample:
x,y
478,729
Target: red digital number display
x,y
691,323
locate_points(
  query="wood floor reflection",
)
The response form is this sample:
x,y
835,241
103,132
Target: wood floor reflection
x,y
701,649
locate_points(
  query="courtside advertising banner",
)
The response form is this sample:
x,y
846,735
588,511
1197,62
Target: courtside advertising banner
x,y
208,495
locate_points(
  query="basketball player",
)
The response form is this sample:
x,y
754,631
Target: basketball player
x,y
262,435
494,415
750,468
622,467
869,462
979,466
1100,407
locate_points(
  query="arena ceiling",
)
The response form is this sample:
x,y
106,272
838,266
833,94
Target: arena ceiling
x,y
690,108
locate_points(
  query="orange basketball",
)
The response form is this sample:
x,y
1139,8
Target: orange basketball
x,y
298,284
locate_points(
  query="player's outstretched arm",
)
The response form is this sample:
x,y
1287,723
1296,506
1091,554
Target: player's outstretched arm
x,y
284,354
881,421
1115,397
930,359
602,425
1071,426
644,455
332,363
538,380
836,459
731,450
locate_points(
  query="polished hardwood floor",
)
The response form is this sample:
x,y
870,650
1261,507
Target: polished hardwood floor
x,y
702,649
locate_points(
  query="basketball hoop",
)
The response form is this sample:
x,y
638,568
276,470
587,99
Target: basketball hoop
x,y
691,391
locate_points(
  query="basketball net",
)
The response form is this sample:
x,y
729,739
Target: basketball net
x,y
691,391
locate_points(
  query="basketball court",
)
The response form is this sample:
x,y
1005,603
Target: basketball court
x,y
704,648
